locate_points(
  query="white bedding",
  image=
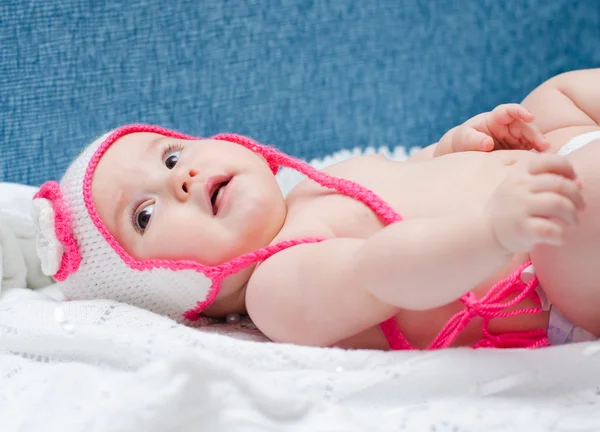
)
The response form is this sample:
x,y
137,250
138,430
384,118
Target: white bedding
x,y
105,366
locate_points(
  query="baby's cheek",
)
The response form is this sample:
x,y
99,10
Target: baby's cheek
x,y
174,243
213,244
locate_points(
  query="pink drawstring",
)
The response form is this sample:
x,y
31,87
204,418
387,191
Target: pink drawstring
x,y
489,306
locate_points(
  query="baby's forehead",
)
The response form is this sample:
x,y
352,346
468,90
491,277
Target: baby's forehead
x,y
125,156
134,147
135,141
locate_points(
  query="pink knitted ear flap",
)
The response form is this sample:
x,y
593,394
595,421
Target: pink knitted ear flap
x,y
71,257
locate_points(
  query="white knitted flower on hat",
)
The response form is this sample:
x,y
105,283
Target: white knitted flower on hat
x,y
50,250
56,247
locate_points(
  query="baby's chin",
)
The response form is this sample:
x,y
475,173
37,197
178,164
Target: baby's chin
x,y
258,237
257,226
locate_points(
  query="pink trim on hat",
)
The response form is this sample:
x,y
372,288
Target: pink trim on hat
x,y
62,229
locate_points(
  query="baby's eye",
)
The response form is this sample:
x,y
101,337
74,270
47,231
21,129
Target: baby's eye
x,y
171,157
141,218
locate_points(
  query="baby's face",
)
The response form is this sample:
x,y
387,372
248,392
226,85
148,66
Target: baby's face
x,y
168,198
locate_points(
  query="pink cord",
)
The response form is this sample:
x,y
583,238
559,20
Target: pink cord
x,y
489,306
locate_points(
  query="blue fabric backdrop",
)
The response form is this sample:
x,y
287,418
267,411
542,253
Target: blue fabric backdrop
x,y
310,76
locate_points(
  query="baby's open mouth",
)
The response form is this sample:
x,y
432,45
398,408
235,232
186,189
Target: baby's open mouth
x,y
216,195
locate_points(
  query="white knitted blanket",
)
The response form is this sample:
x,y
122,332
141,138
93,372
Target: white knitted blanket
x,y
104,366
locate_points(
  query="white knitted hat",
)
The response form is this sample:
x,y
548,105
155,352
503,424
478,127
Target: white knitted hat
x,y
78,251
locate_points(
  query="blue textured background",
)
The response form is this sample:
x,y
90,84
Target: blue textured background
x,y
308,76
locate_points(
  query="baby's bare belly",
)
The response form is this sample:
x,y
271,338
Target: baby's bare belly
x,y
430,188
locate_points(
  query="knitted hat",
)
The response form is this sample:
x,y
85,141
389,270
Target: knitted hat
x,y
75,247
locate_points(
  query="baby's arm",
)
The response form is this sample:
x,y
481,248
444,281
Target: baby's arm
x,y
566,105
562,107
508,126
319,294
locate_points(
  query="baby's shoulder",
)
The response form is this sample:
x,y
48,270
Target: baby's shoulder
x,y
317,211
298,230
351,165
353,168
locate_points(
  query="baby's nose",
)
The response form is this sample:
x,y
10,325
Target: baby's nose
x,y
186,182
183,183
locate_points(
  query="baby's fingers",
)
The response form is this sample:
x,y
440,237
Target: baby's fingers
x,y
507,113
560,185
466,138
532,136
552,164
553,206
546,231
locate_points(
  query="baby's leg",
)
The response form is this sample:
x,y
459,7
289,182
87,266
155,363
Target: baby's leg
x,y
570,274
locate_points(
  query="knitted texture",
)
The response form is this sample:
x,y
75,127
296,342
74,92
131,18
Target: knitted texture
x,y
491,305
60,226
109,367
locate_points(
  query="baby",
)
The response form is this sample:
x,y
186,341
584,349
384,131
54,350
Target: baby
x,y
458,246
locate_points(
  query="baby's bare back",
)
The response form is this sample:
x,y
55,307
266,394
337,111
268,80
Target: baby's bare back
x,y
429,188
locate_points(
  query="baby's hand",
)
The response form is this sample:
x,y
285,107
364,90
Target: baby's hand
x,y
535,204
507,126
